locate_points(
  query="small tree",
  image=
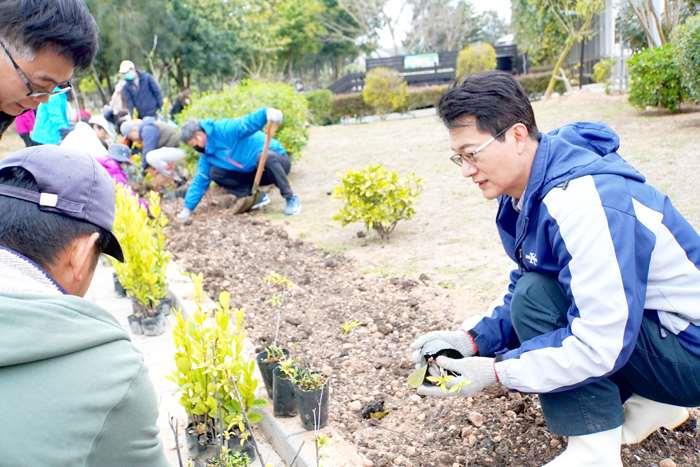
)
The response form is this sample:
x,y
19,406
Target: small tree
x,y
475,58
385,90
686,41
377,197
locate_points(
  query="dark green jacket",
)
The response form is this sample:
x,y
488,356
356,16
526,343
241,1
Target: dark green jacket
x,y
74,391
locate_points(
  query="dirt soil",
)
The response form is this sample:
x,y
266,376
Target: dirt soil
x,y
237,252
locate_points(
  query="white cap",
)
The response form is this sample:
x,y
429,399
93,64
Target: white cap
x,y
101,121
126,65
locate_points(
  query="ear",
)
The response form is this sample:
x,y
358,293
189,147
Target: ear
x,y
521,134
82,255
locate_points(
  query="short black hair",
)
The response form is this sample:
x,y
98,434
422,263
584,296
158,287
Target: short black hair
x,y
495,99
65,25
35,233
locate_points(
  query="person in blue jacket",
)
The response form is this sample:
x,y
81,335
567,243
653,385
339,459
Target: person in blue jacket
x,y
51,118
230,150
602,314
141,92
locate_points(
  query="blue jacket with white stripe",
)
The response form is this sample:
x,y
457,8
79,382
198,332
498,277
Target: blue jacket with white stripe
x,y
616,245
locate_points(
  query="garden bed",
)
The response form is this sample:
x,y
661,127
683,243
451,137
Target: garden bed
x,y
237,252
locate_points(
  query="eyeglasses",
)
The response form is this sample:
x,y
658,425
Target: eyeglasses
x,y
470,156
32,88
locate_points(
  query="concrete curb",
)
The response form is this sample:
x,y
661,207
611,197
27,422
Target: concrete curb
x,y
286,435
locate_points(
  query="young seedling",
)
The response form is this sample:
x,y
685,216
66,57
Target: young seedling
x,y
276,279
274,353
289,369
443,379
276,300
349,326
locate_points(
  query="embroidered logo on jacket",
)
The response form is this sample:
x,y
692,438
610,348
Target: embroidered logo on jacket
x,y
532,258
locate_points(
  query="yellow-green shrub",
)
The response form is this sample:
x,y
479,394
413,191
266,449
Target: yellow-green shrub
x,y
475,58
143,272
211,369
385,90
377,197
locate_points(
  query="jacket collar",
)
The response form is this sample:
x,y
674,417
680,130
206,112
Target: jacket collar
x,y
19,274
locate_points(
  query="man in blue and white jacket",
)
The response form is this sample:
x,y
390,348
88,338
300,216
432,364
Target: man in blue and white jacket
x,y
230,150
602,315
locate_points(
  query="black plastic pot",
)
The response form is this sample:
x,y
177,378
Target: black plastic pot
x,y
313,407
153,325
266,369
248,447
118,287
197,443
166,305
283,401
135,324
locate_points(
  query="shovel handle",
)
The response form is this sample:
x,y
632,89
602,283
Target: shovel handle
x,y
263,158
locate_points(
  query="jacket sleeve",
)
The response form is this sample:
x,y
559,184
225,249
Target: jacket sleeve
x,y
155,89
495,333
128,98
129,435
200,184
232,130
603,265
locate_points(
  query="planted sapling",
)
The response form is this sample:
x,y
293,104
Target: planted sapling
x,y
349,326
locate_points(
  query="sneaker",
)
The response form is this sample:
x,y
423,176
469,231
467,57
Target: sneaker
x,y
293,206
262,200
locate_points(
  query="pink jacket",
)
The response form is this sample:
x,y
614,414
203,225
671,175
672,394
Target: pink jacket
x,y
25,122
114,170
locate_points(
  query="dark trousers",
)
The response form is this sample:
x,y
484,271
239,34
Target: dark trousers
x,y
659,368
28,141
240,184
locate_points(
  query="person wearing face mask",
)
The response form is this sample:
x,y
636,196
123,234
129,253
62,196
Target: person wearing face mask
x,y
230,150
141,92
41,43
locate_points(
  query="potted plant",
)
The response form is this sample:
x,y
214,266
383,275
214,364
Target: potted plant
x,y
141,235
267,361
216,380
311,393
283,400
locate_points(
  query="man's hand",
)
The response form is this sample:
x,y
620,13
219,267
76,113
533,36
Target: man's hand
x,y
475,373
184,215
274,116
458,340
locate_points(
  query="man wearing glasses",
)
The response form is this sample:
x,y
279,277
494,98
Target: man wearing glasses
x,y
41,43
602,314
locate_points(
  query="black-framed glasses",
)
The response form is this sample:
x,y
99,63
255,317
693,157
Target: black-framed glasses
x,y
470,156
32,88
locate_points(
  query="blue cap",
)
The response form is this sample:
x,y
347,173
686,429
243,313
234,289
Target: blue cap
x,y
70,183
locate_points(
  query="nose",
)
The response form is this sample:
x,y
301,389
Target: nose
x,y
468,170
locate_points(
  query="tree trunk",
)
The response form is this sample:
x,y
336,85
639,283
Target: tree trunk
x,y
103,97
557,66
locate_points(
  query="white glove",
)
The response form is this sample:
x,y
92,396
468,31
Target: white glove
x,y
475,373
274,115
184,215
458,340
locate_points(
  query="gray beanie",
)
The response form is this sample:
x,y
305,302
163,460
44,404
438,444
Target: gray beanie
x,y
188,130
129,125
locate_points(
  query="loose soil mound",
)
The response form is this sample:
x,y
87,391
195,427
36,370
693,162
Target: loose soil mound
x,y
497,427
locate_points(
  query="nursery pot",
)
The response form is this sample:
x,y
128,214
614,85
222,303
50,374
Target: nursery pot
x,y
266,369
313,407
197,443
247,448
153,325
283,402
135,324
165,306
118,287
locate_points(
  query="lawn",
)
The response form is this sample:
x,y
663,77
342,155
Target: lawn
x,y
452,238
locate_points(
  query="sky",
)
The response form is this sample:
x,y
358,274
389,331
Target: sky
x,y
501,7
